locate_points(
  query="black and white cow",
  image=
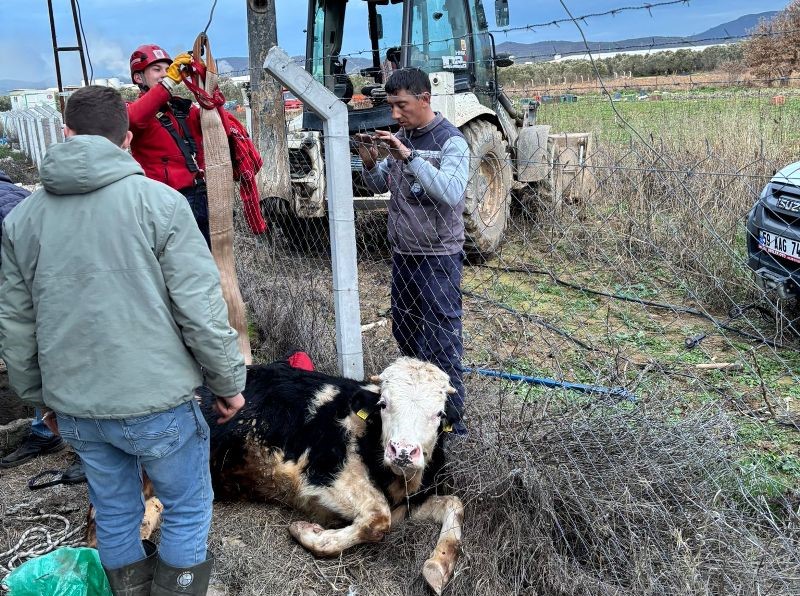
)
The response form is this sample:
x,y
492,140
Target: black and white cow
x,y
358,456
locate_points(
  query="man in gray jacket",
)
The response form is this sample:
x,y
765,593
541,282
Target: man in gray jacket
x,y
112,314
426,173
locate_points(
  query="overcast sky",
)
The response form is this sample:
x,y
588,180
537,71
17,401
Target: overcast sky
x,y
115,27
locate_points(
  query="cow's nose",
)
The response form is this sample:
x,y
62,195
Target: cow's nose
x,y
404,454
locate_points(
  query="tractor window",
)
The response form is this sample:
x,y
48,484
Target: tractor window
x,y
345,52
316,58
439,35
484,67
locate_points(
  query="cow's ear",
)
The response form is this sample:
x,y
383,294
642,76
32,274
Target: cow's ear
x,y
365,402
451,414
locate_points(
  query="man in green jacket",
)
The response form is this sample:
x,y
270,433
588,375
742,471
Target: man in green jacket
x,y
112,314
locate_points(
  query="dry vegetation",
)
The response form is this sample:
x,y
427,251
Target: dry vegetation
x,y
693,488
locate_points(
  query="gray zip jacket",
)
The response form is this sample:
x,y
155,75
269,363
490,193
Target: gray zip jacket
x,y
426,207
111,302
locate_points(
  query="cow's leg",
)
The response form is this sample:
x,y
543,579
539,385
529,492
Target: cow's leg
x,y
151,520
370,524
449,512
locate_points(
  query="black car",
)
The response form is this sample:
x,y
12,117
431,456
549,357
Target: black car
x,y
773,234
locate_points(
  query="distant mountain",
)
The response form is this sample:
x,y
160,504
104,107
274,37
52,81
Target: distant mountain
x,y
7,85
737,28
545,50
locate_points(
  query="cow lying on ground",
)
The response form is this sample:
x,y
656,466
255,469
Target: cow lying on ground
x,y
358,456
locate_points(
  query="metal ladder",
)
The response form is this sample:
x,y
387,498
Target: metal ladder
x,y
58,49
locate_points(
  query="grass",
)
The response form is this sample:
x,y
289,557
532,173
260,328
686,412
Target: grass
x,y
683,118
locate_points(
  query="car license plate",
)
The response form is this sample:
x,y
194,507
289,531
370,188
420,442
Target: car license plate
x,y
779,245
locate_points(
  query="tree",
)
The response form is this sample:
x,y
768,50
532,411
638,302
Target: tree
x,y
5,103
773,49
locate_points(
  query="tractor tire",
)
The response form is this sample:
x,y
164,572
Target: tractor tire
x,y
488,196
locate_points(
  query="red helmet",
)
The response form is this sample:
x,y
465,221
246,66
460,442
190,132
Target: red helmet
x,y
145,55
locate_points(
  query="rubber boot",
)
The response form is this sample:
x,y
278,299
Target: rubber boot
x,y
134,579
170,580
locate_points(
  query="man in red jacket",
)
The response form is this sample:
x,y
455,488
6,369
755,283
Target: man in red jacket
x,y
167,137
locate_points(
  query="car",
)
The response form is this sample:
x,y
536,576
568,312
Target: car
x,y
290,102
773,234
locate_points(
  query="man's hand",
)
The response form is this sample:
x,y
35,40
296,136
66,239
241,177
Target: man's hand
x,y
227,407
396,148
174,69
367,150
50,421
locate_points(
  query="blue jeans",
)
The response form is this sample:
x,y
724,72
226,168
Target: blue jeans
x,y
173,448
426,315
38,427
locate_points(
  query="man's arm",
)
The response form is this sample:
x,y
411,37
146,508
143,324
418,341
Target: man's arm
x,y
18,346
193,283
375,178
143,110
448,182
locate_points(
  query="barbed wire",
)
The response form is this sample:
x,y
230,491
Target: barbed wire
x,y
527,27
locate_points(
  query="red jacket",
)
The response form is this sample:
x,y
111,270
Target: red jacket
x,y
161,158
154,148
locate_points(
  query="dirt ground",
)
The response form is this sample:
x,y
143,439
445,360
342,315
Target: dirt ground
x,y
255,555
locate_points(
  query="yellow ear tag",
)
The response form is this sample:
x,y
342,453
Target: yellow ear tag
x,y
448,428
363,414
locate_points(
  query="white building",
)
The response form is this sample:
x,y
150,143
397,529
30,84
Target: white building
x,y
22,99
600,55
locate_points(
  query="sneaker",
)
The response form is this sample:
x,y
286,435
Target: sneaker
x,y
32,446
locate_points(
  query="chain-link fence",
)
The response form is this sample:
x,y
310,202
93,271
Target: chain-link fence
x,y
631,390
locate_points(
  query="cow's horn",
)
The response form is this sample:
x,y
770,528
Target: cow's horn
x,y
450,390
375,378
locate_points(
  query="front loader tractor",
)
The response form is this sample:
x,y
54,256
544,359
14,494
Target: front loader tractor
x,y
451,41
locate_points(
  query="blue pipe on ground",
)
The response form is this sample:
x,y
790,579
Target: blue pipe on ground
x,y
618,392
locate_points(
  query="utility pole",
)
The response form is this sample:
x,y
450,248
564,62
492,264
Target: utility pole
x,y
268,119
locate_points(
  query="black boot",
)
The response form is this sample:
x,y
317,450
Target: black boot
x,y
134,579
32,446
74,473
170,580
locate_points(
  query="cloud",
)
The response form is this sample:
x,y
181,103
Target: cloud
x,y
224,67
24,61
108,58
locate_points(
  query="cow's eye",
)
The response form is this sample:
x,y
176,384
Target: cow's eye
x,y
382,404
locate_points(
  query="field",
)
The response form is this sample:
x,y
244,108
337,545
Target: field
x,y
686,482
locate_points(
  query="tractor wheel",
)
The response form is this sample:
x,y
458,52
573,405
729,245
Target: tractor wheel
x,y
488,196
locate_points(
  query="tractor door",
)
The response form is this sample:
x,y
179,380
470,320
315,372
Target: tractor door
x,y
453,35
351,48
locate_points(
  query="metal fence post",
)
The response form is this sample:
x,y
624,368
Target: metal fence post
x,y
339,189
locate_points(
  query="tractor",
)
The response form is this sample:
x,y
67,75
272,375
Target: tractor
x,y
450,40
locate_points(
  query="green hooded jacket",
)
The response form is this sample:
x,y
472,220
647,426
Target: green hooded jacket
x,y
110,302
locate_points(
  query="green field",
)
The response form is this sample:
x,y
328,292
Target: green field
x,y
738,120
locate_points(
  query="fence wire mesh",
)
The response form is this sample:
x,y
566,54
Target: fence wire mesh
x,y
674,468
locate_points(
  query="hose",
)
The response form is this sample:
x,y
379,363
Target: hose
x,y
618,392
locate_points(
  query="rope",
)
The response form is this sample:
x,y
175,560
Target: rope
x,y
39,540
221,194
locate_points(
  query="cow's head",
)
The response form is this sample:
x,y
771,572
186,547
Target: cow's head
x,y
412,402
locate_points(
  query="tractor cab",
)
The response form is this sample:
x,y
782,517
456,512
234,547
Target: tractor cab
x,y
354,46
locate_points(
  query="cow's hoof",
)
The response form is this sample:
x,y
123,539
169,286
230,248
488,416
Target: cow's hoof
x,y
435,574
301,530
